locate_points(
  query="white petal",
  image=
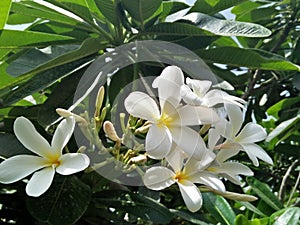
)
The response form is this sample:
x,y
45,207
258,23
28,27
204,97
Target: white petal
x,y
191,195
168,84
158,141
158,178
236,169
40,182
213,138
62,134
208,179
30,138
225,154
142,106
193,165
19,167
235,115
215,97
251,133
189,141
176,158
72,163
195,115
200,87
189,96
225,128
254,151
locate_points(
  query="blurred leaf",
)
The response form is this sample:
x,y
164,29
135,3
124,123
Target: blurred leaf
x,y
290,217
188,216
227,27
283,127
11,146
64,203
178,29
265,193
283,104
4,12
219,208
252,208
241,220
134,204
251,58
213,6
21,39
288,150
141,10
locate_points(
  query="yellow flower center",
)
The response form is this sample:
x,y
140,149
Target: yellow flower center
x,y
164,120
54,160
180,176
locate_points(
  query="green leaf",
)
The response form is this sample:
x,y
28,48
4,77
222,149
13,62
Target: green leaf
x,y
21,39
41,80
252,208
4,12
172,7
64,203
213,6
11,146
219,208
251,58
109,9
134,204
265,193
281,105
141,10
227,27
241,220
175,29
283,128
290,217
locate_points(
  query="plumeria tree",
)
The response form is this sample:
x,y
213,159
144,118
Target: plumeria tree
x,y
149,112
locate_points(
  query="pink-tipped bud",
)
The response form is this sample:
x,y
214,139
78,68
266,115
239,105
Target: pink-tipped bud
x,y
110,131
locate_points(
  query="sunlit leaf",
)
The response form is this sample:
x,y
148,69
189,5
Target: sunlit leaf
x,y
290,217
4,12
227,27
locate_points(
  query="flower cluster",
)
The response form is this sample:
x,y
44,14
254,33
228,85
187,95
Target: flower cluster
x,y
173,137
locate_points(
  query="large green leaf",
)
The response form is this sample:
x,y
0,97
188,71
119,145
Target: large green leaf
x,y
64,203
25,39
265,193
286,103
172,7
134,204
241,220
227,27
251,58
109,9
141,10
4,12
11,146
219,208
290,217
213,6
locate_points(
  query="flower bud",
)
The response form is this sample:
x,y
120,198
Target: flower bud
x,y
110,131
99,101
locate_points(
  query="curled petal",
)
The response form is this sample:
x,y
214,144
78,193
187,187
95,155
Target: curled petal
x,y
200,87
208,179
191,195
40,182
30,138
190,97
251,133
168,84
158,178
255,151
62,134
142,106
215,97
158,141
72,163
19,167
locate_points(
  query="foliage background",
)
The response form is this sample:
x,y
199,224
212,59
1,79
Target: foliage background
x,y
47,59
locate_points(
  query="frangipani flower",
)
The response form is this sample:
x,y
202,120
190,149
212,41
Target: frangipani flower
x,y
49,159
169,123
185,175
196,92
237,139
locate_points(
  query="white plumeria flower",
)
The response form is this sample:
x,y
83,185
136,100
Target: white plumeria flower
x,y
169,122
49,159
237,139
185,175
221,167
196,92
